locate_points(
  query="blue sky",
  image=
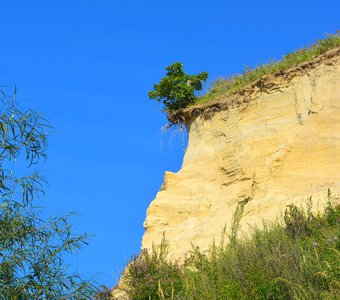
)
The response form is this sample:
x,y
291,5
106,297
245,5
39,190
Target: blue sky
x,y
88,65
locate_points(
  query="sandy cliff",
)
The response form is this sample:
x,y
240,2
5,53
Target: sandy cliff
x,y
273,143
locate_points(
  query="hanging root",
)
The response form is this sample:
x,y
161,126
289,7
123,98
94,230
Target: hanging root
x,y
178,130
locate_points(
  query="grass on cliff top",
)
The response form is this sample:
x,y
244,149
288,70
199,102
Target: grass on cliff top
x,y
227,86
300,260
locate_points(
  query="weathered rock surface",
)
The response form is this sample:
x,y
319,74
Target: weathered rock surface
x,y
272,144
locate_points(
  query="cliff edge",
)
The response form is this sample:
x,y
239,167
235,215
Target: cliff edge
x,y
273,143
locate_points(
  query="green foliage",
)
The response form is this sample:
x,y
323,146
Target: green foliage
x,y
32,249
223,87
298,221
153,275
104,293
177,90
299,260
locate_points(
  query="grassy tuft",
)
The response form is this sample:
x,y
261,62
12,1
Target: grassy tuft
x,y
226,86
300,260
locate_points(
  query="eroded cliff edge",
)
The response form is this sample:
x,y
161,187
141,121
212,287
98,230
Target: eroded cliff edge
x,y
273,143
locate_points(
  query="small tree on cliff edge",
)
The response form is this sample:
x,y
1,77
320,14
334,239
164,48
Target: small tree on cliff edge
x,y
177,90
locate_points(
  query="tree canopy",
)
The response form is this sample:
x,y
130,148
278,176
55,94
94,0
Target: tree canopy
x,y
32,249
177,89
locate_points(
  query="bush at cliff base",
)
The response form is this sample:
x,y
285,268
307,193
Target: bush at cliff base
x,y
300,260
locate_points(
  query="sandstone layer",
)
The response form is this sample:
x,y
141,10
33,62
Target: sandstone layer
x,y
274,143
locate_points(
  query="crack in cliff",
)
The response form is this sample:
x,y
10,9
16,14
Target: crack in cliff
x,y
252,189
297,108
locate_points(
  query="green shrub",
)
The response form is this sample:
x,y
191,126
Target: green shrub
x,y
177,89
299,260
153,275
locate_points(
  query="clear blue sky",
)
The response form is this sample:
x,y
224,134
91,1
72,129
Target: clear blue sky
x,y
88,65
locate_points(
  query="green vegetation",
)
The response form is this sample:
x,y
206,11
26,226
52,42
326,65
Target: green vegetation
x,y
227,86
32,249
177,90
300,260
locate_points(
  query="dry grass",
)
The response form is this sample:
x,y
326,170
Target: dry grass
x,y
226,86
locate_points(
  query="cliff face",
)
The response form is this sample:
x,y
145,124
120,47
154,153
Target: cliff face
x,y
274,143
